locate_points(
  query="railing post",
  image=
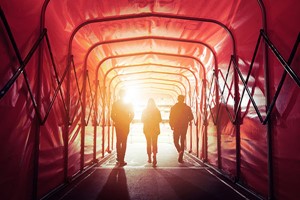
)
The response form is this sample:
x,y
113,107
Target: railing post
x,y
95,122
237,110
217,98
103,120
197,122
36,149
83,122
269,123
205,157
108,124
67,121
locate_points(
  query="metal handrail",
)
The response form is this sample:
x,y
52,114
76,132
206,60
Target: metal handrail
x,y
209,105
79,101
283,77
284,63
80,92
248,91
23,64
55,71
59,83
249,71
92,97
287,70
221,92
225,84
231,117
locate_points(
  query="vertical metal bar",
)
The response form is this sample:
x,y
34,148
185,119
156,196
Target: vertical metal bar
x,y
95,121
112,129
217,99
269,126
83,123
237,110
37,121
103,120
92,100
36,153
67,120
190,124
205,120
108,123
191,136
267,102
197,123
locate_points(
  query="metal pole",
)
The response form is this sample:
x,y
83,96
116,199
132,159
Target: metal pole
x,y
267,102
95,122
83,123
205,157
103,121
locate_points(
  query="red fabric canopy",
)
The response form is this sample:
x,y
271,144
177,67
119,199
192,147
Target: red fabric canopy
x,y
158,48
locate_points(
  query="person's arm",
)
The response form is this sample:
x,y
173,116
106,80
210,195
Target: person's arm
x,y
171,119
190,115
159,117
113,112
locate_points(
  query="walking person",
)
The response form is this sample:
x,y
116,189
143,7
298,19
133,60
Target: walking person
x,y
180,117
122,114
151,118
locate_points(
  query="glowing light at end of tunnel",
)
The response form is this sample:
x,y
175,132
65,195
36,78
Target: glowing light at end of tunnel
x,y
135,96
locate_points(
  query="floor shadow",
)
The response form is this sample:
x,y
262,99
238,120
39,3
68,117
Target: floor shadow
x,y
185,189
115,186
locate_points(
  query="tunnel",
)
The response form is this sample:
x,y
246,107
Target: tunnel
x,y
64,62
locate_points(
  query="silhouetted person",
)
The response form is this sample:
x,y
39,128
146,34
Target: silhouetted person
x,y
151,118
180,116
122,114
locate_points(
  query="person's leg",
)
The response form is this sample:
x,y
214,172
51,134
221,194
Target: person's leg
x,y
148,140
123,147
154,145
182,140
182,144
176,140
118,144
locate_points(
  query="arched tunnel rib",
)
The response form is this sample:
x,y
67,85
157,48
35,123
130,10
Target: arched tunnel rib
x,y
252,154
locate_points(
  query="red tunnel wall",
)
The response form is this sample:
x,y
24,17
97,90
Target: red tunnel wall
x,y
19,126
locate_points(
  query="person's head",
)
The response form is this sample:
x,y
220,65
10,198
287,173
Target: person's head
x,y
151,103
180,98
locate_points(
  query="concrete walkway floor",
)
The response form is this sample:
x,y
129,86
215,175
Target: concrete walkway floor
x,y
138,180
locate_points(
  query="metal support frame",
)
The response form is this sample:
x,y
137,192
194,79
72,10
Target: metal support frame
x,y
144,38
68,66
150,15
127,55
260,3
40,120
287,70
